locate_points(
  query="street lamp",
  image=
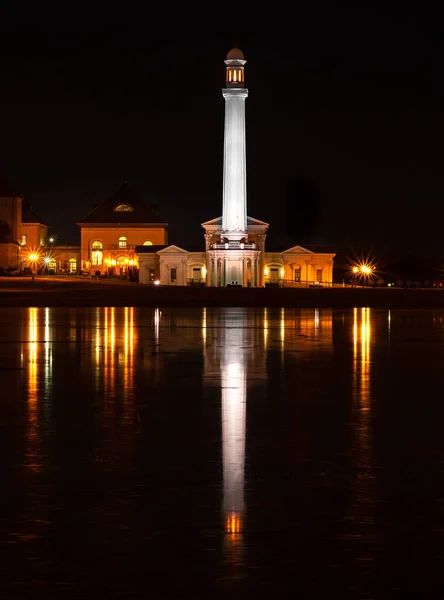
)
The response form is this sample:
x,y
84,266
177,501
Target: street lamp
x,y
33,258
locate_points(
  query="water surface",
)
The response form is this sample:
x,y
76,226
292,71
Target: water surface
x,y
221,452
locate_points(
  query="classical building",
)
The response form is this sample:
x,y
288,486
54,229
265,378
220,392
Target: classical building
x,y
10,226
126,236
235,242
112,230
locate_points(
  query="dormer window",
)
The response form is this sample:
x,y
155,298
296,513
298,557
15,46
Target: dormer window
x,y
123,208
123,243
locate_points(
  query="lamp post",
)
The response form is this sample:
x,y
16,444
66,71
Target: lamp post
x,y
355,271
33,258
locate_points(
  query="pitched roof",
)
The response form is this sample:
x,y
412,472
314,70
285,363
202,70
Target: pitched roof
x,y
6,191
29,216
135,210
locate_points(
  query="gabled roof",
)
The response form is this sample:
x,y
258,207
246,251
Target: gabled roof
x,y
141,212
310,250
6,191
29,216
172,248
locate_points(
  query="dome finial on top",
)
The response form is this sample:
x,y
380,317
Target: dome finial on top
x,y
235,54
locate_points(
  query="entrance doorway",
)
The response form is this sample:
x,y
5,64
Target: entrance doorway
x,y
274,275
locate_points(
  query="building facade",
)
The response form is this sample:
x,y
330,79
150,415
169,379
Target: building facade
x,y
112,230
10,224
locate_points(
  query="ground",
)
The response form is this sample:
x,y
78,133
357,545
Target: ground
x,y
55,291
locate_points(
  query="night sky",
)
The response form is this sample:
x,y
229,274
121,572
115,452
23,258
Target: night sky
x,y
345,124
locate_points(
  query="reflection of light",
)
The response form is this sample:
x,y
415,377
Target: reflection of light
x,y
389,320
233,427
33,434
362,423
282,327
156,324
265,327
109,347
316,318
204,326
233,524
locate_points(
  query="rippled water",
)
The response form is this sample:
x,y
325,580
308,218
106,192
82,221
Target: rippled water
x,y
221,453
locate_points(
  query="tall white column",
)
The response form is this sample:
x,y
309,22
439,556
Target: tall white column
x,y
234,205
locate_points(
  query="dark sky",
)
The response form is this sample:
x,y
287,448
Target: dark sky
x,y
345,116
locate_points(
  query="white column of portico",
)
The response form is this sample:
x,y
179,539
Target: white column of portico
x,y
253,274
214,272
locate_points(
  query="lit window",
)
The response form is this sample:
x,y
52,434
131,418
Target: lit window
x,y
123,242
97,254
173,275
319,275
96,258
73,265
123,208
297,274
23,241
147,243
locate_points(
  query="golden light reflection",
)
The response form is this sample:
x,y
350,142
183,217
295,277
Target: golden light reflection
x,y
233,524
128,364
265,327
362,415
204,327
33,436
109,370
282,327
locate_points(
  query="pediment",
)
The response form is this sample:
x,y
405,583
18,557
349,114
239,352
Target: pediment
x,y
213,223
172,250
298,250
255,222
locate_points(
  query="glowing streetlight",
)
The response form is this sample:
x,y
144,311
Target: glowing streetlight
x,y
51,240
32,259
355,269
157,283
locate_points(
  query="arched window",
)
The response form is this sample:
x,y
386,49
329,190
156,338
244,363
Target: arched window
x,y
123,242
72,265
123,208
97,254
147,243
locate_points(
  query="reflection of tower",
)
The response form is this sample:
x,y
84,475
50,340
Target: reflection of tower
x,y
233,428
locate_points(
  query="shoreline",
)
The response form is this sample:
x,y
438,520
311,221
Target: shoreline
x,y
58,292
